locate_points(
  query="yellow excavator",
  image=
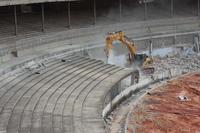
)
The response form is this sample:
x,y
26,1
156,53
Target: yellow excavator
x,y
142,60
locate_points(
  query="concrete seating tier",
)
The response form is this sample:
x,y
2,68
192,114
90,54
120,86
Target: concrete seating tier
x,y
65,96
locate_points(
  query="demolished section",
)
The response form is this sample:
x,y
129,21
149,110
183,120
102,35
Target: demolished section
x,y
179,59
173,107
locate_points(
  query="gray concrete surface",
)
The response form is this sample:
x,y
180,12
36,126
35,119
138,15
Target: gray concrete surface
x,y
60,97
96,35
30,25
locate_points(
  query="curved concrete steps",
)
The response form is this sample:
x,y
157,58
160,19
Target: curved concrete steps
x,y
63,97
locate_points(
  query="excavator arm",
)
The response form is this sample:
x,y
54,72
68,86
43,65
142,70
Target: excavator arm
x,y
143,59
119,36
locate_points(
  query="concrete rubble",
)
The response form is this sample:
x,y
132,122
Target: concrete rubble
x,y
184,60
179,61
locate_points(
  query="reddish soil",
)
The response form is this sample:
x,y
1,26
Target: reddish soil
x,y
171,108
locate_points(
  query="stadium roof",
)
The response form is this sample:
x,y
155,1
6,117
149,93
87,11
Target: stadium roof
x,y
20,2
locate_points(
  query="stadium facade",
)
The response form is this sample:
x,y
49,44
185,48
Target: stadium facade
x,y
44,14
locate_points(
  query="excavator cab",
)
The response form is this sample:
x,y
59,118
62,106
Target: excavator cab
x,y
138,59
145,62
141,60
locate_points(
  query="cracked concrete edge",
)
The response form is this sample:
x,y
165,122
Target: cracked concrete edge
x,y
41,55
38,57
129,91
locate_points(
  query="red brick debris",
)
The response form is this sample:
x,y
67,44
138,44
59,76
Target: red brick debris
x,y
170,108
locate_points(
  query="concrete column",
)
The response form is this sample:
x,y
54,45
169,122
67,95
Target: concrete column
x,y
172,8
42,14
115,91
134,78
174,39
145,10
69,14
150,47
198,5
196,44
15,19
111,99
120,10
95,11
119,86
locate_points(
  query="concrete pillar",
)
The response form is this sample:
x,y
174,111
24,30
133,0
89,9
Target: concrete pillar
x,y
196,38
150,47
119,87
198,5
145,10
69,14
132,79
120,10
42,14
15,19
135,78
111,99
114,91
172,8
95,11
174,40
174,37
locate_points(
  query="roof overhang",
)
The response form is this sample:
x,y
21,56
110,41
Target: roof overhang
x,y
22,2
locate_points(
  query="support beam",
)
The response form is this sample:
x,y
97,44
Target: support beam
x,y
150,48
120,10
198,4
42,14
95,11
145,10
172,8
196,38
69,14
132,79
135,77
15,19
174,40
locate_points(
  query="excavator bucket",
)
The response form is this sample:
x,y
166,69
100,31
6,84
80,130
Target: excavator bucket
x,y
148,70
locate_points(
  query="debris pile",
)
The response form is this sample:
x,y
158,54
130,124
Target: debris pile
x,y
33,67
183,61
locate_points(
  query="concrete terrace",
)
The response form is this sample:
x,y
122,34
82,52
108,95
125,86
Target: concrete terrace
x,y
64,95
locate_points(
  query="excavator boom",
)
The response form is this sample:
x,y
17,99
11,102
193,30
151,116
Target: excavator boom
x,y
120,36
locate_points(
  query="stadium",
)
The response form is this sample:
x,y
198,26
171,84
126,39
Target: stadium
x,y
99,66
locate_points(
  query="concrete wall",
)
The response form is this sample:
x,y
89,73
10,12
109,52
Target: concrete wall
x,y
96,35
166,41
143,85
162,35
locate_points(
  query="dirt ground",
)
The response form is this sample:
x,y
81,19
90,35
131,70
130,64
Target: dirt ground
x,y
173,108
